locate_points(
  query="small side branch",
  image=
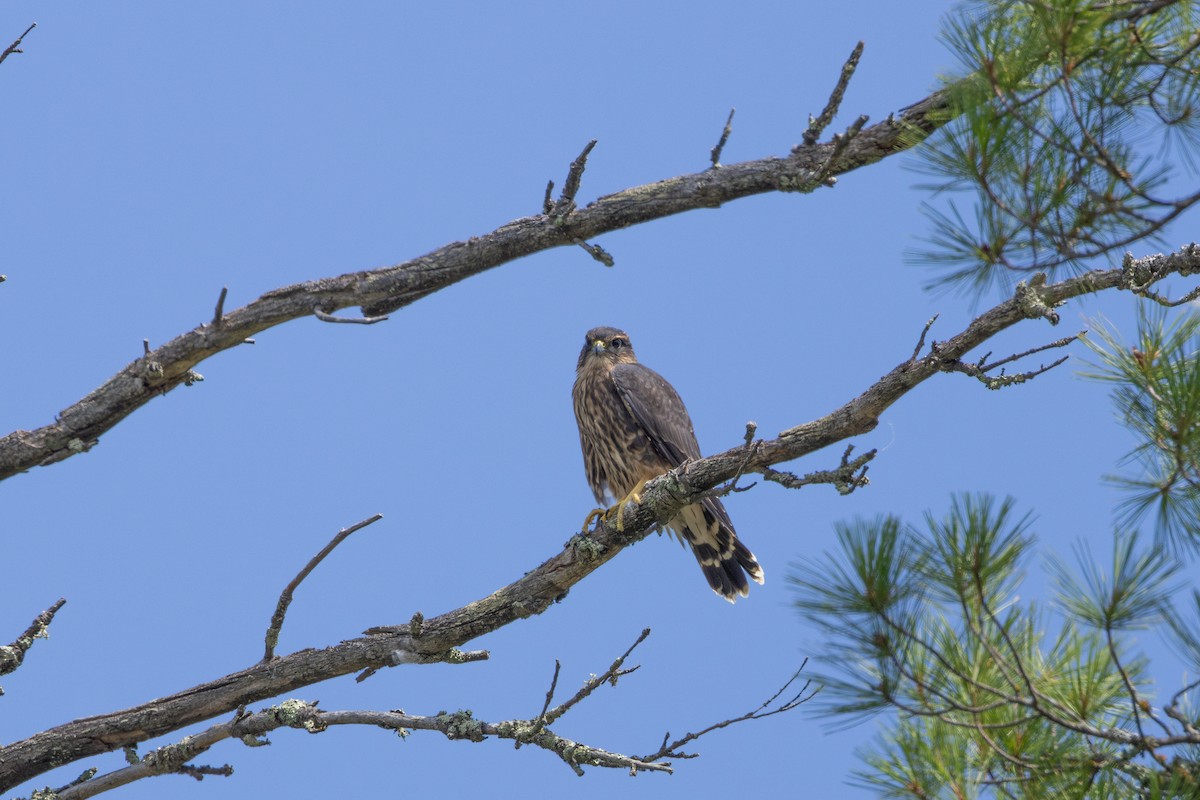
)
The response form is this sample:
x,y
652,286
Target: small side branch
x,y
15,47
980,369
716,151
285,597
597,252
13,655
851,474
921,341
817,126
566,201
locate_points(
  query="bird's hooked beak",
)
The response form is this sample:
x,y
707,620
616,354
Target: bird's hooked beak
x,y
598,347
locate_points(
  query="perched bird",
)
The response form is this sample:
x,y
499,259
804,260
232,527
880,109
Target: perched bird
x,y
633,427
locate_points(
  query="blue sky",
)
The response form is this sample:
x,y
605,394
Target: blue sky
x,y
155,152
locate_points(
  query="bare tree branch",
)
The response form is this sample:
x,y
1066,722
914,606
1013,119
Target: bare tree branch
x,y
381,291
301,715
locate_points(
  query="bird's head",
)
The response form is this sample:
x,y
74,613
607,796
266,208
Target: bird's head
x,y
606,347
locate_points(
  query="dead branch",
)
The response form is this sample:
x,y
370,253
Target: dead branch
x,y
381,291
251,729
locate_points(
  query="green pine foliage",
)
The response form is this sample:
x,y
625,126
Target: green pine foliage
x,y
1078,134
1074,114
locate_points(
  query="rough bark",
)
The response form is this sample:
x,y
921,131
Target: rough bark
x,y
380,291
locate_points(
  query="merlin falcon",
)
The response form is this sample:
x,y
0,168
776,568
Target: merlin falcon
x,y
633,427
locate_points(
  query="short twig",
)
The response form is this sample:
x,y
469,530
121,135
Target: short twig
x,y
547,201
285,597
15,47
12,655
540,722
817,126
921,340
326,317
219,314
597,252
566,201
145,347
751,449
716,151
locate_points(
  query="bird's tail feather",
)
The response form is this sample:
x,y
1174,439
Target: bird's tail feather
x,y
725,561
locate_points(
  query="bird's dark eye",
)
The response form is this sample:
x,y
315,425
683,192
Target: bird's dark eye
x,y
618,343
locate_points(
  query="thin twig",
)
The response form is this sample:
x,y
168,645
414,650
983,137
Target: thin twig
x,y
285,597
15,47
818,125
716,151
751,429
924,333
324,317
547,201
802,696
540,722
1052,345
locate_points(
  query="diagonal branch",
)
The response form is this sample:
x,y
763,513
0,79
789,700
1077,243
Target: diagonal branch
x,y
540,588
381,291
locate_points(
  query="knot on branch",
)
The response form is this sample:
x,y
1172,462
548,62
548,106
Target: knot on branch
x,y
584,547
1137,274
460,725
1032,304
298,714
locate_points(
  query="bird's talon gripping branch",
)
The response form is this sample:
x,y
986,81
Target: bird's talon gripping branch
x,y
593,515
634,496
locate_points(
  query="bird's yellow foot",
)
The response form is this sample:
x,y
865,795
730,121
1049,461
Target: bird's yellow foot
x,y
634,496
593,515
